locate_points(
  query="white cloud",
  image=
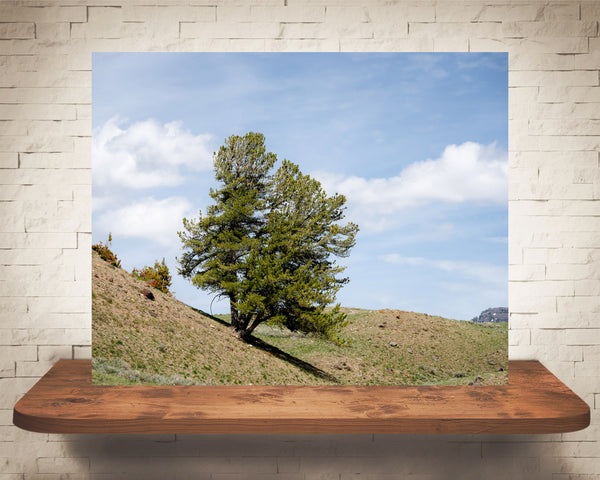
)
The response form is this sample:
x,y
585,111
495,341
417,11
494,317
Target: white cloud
x,y
156,221
469,172
482,272
145,154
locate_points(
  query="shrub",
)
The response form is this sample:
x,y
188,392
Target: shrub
x,y
157,276
106,253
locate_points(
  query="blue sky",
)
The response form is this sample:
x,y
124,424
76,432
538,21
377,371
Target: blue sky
x,y
417,143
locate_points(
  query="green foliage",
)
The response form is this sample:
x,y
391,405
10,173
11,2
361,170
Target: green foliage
x,y
106,253
157,276
267,242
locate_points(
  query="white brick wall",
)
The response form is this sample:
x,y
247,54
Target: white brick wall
x,y
45,199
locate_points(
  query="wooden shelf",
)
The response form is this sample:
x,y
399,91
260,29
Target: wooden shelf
x,y
65,401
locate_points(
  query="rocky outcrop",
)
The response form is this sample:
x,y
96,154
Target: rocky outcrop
x,y
147,293
492,315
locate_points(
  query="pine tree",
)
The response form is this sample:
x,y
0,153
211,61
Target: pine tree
x,y
267,242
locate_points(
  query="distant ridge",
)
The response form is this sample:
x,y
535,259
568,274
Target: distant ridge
x,y
492,315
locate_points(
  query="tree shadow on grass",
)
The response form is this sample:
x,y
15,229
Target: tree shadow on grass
x,y
307,367
277,352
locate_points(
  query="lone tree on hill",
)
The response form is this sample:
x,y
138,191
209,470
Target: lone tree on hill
x,y
267,242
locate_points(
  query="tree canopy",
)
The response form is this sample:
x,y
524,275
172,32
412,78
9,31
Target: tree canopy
x,y
268,242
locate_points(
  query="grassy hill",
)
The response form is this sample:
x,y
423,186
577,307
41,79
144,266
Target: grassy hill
x,y
138,340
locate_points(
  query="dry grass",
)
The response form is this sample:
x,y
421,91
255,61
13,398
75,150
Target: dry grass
x,y
137,340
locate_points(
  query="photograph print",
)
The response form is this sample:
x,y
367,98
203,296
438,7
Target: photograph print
x,y
300,218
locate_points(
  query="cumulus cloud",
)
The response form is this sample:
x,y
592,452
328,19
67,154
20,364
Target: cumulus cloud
x,y
469,172
482,272
145,155
148,219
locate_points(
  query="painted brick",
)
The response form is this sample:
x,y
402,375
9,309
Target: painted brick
x,y
535,256
50,336
527,352
578,304
327,30
13,128
55,32
578,94
487,13
564,28
569,109
393,30
570,353
18,353
557,320
50,78
587,287
69,304
158,14
523,273
569,272
8,95
16,30
519,337
445,12
489,45
562,11
450,44
107,31
47,14
230,30
579,239
541,288
410,44
63,465
33,369
545,61
401,12
73,127
7,369
37,240
589,353
347,14
300,14
44,320
163,466
547,336
54,353
534,79
541,45
583,336
556,159
568,143
522,304
82,352
9,160
457,29
573,127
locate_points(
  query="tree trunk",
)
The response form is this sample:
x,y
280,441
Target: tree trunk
x,y
238,322
257,321
235,316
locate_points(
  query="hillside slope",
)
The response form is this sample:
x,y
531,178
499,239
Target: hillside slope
x,y
138,340
168,338
400,347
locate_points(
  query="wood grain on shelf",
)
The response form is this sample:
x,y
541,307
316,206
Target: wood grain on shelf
x,y
535,401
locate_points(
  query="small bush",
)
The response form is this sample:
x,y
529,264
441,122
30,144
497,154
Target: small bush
x,y
157,276
106,253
